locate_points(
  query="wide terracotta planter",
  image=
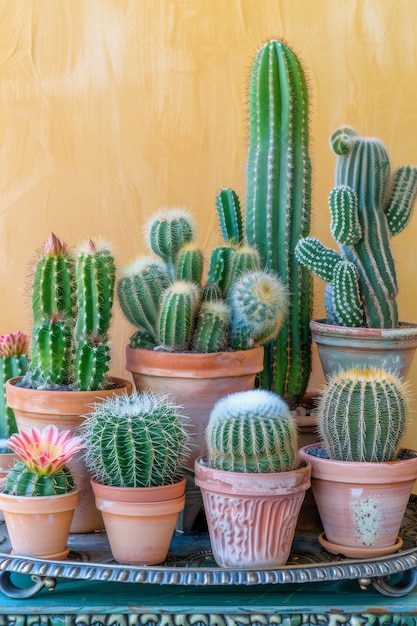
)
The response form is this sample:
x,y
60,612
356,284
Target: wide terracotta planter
x,y
195,381
140,522
65,409
39,526
251,517
361,505
342,347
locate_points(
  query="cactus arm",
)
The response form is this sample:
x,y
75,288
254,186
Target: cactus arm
x,y
51,352
347,303
228,209
402,198
167,232
278,204
315,256
345,226
190,264
220,267
91,364
178,309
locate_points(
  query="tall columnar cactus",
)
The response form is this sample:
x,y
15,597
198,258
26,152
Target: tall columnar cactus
x,y
136,440
278,204
13,362
367,207
252,431
362,415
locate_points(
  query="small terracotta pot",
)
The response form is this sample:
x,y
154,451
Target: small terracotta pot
x,y
251,518
140,522
361,505
65,409
39,526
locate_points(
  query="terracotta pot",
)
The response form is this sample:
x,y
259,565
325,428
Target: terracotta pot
x,y
39,526
140,522
195,381
251,517
344,347
7,460
361,505
65,409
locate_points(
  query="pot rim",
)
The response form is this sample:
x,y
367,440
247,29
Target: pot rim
x,y
405,329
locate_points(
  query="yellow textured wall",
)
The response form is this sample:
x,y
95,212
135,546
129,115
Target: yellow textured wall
x,y
111,109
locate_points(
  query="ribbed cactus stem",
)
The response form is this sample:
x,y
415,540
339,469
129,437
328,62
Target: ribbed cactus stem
x,y
51,352
91,363
230,216
213,326
21,481
10,366
179,305
252,431
362,415
278,204
167,232
220,267
190,263
135,441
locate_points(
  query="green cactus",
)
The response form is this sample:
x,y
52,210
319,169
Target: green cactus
x,y
252,431
362,415
228,210
13,362
51,353
136,440
367,207
189,264
22,481
220,267
278,205
167,232
213,326
179,306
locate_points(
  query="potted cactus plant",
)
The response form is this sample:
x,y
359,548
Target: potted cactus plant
x,y
39,495
252,480
71,297
367,207
361,417
196,339
135,449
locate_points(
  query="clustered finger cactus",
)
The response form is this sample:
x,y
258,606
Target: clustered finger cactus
x,y
72,299
367,207
137,440
173,309
13,362
362,415
252,431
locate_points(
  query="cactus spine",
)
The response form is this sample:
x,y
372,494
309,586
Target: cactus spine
x,y
278,205
252,431
135,441
362,415
21,481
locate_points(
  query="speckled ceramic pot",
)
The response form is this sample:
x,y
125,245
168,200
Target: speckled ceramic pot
x,y
361,505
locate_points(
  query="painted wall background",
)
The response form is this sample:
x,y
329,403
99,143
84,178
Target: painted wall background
x,y
111,109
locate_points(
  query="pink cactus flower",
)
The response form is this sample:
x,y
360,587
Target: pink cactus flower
x,y
47,451
13,344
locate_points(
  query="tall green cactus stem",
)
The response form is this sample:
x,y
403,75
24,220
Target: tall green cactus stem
x,y
278,204
259,304
230,215
51,353
213,326
179,305
362,415
220,267
252,431
167,232
135,441
13,362
21,481
190,263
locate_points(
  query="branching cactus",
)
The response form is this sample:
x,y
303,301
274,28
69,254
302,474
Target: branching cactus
x,y
367,207
13,362
362,415
136,440
252,431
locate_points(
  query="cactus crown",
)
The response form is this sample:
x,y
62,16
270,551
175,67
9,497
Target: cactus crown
x,y
136,440
362,415
72,298
167,300
252,431
367,207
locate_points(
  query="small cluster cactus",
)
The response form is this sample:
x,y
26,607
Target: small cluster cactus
x,y
137,440
71,306
13,362
367,207
239,306
42,470
252,431
362,415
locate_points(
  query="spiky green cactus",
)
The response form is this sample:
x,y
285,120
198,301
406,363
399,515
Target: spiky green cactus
x,y
13,362
220,267
22,481
252,431
230,215
367,207
136,440
278,205
167,232
51,353
362,415
190,263
213,326
179,305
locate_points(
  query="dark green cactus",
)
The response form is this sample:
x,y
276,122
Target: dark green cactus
x,y
213,327
230,215
367,207
278,205
362,415
21,481
252,431
51,353
190,263
179,306
167,232
13,362
136,440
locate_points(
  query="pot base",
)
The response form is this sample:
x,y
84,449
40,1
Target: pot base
x,y
358,552
58,556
